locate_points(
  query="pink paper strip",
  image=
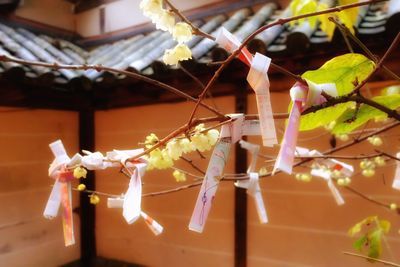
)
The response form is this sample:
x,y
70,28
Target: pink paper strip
x,y
210,185
285,159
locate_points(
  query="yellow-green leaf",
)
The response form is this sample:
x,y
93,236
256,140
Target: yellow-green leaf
x,y
322,117
365,114
344,71
326,26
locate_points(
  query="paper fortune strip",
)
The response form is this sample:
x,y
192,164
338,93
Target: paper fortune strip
x,y
396,180
258,80
154,226
252,185
230,43
234,130
302,97
326,175
61,192
210,184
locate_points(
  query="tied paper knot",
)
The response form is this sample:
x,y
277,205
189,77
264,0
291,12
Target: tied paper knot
x,y
133,196
252,185
154,226
326,166
258,80
303,96
61,191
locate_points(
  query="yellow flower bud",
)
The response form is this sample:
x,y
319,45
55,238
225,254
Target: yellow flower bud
x,y
81,187
94,199
80,172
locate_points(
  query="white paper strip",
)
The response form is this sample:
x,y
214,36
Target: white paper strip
x,y
54,202
233,129
210,185
61,158
326,175
258,80
396,180
255,191
154,226
251,127
133,197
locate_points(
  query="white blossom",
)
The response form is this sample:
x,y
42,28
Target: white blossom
x,y
182,32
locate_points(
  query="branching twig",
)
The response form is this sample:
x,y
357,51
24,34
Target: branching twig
x,y
344,30
57,66
280,21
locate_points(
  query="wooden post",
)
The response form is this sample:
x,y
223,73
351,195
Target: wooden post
x,y
87,210
240,193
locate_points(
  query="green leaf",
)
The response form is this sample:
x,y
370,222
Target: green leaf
x,y
357,227
365,114
359,243
343,70
375,244
322,117
384,225
300,7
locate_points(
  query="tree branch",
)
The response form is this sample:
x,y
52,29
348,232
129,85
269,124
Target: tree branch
x,y
372,259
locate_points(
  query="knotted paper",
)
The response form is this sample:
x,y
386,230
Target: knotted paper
x,y
61,192
230,43
258,80
252,185
303,96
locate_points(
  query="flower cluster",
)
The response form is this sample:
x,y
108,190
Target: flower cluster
x,y
163,158
165,21
368,166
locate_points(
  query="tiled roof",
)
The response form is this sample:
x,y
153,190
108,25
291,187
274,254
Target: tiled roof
x,y
144,51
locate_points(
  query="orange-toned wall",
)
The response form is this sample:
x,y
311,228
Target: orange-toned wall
x,y
306,227
52,12
26,238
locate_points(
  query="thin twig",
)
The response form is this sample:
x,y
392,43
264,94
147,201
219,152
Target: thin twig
x,y
372,259
195,29
279,21
344,30
57,66
194,166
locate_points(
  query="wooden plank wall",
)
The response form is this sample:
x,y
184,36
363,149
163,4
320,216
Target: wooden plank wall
x,y
26,238
306,227
177,246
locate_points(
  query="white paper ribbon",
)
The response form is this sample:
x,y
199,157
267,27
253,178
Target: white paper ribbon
x,y
326,175
252,185
258,80
210,183
396,180
230,43
233,130
154,226
61,191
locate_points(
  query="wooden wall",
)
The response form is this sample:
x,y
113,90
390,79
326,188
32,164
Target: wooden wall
x,y
177,246
26,237
306,226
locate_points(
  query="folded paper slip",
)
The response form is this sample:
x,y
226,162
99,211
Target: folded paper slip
x,y
61,192
210,185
